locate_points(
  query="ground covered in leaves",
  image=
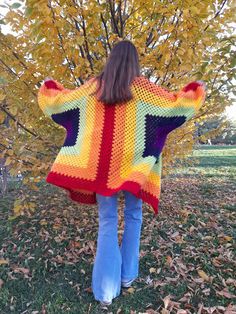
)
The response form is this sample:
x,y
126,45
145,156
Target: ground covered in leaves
x,y
187,253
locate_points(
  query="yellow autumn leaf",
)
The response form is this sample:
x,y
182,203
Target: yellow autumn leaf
x,y
228,238
3,261
2,117
56,226
8,161
194,9
203,275
17,209
131,290
2,96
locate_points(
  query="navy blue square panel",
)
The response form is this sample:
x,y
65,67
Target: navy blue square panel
x,y
70,121
157,128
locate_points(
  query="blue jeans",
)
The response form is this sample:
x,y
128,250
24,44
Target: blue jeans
x,y
113,263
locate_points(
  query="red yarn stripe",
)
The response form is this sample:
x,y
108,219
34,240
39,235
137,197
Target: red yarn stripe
x,y
106,145
51,84
191,86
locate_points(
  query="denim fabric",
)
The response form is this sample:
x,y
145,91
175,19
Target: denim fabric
x,y
113,263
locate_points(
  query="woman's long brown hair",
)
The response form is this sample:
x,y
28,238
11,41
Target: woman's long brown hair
x,y
121,68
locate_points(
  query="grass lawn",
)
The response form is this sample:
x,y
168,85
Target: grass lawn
x,y
187,253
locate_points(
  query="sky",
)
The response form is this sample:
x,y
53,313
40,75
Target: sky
x,y
230,110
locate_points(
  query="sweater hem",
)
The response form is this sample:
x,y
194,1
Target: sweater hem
x,y
87,194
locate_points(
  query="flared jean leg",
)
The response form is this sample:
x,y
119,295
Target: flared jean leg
x,y
106,274
131,237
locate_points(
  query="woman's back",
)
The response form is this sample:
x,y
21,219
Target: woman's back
x,y
109,148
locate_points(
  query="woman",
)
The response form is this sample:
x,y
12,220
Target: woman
x,y
116,124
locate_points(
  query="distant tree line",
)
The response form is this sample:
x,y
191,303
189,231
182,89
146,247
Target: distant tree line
x,y
227,135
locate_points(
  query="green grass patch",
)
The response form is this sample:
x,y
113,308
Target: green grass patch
x,y
50,255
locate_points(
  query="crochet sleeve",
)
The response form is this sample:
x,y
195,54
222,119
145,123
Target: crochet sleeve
x,y
50,97
192,97
186,103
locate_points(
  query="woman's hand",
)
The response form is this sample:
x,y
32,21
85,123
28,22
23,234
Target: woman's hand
x,y
48,79
194,85
202,83
51,84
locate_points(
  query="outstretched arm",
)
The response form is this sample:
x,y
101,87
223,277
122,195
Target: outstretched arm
x,y
186,103
191,97
49,96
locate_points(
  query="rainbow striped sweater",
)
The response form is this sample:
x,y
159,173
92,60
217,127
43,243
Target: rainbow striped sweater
x,y
117,147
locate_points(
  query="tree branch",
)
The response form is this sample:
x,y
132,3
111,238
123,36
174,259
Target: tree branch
x,y
15,74
121,20
23,127
217,13
113,19
61,41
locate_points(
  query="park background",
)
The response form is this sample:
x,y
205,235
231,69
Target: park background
x,y
48,243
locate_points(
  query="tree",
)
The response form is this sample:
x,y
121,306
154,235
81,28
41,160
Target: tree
x,y
224,130
70,41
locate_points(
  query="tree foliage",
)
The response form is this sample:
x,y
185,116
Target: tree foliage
x,y
69,40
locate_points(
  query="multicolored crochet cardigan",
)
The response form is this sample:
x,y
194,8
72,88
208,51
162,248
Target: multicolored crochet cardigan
x,y
109,148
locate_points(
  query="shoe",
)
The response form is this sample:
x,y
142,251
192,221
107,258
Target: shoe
x,y
127,284
104,304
